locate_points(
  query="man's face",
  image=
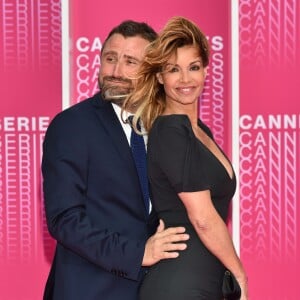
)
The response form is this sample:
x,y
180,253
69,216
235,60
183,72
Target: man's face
x,y
120,60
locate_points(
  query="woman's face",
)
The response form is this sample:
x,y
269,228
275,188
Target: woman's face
x,y
183,77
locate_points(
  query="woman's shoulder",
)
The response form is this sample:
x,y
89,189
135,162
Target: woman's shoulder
x,y
174,120
169,127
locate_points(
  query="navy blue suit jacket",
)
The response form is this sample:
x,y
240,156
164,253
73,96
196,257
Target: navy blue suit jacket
x,y
94,206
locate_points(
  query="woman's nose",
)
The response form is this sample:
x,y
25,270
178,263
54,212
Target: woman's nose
x,y
184,76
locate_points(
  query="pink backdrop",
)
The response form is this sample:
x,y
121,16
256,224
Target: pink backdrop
x,y
30,76
31,89
269,146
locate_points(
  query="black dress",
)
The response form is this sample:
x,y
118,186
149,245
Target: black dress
x,y
179,162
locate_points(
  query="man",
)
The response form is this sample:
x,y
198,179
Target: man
x,y
93,199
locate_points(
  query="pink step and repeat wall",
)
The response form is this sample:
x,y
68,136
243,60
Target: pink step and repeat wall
x,y
267,115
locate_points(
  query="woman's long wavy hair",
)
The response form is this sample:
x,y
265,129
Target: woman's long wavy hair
x,y
147,99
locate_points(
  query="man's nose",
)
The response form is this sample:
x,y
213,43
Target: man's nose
x,y
117,70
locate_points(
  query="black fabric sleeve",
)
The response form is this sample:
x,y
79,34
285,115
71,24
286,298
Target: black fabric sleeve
x,y
180,155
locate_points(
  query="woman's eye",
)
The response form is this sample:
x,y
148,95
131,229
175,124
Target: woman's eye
x,y
173,70
195,68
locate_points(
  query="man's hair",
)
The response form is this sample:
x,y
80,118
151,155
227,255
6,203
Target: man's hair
x,y
131,28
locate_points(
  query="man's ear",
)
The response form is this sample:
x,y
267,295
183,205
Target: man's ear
x,y
159,78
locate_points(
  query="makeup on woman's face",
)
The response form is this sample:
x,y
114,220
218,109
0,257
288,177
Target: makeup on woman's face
x,y
183,76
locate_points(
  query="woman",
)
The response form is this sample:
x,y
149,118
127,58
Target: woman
x,y
191,179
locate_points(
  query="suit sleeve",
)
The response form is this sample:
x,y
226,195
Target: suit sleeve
x,y
65,174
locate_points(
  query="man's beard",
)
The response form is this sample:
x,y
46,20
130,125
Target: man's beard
x,y
111,91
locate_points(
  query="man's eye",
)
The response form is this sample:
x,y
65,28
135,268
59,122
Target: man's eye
x,y
110,59
131,62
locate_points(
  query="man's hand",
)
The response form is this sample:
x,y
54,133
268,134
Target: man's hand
x,y
164,244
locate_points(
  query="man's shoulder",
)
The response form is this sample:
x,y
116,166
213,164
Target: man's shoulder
x,y
88,103
77,113
81,107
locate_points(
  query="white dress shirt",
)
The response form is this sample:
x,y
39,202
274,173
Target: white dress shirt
x,y
127,129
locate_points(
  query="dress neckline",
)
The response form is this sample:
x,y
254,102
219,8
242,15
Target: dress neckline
x,y
201,125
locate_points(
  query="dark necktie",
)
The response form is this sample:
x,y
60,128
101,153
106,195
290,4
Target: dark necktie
x,y
138,150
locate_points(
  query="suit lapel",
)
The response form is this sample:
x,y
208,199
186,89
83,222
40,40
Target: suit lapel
x,y
115,132
113,128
